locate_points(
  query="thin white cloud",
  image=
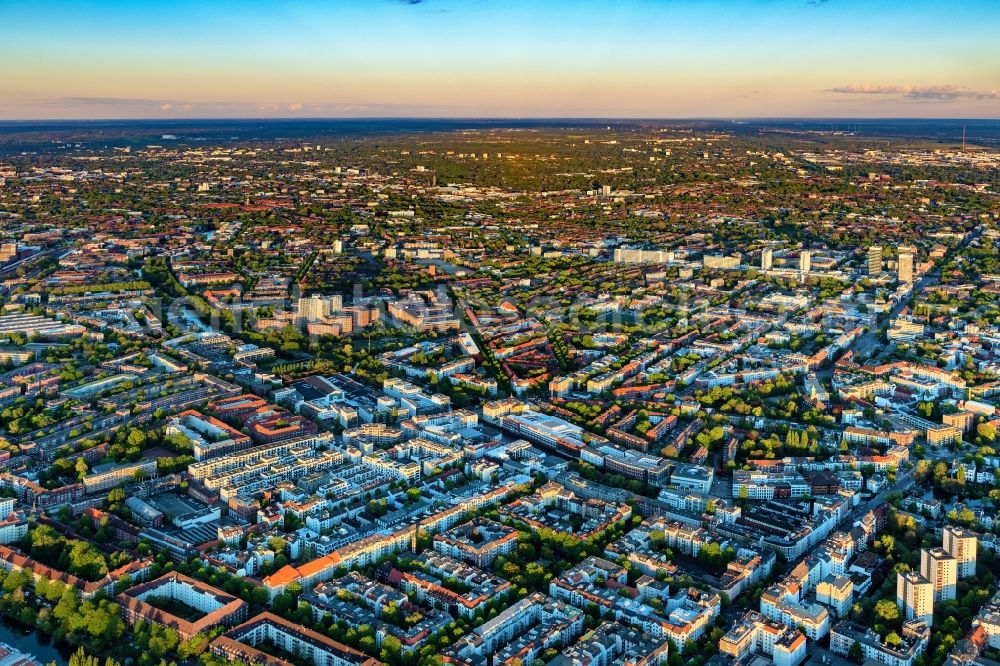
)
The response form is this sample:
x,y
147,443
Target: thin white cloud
x,y
938,93
125,107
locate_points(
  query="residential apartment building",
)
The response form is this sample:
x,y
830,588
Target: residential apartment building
x,y
756,633
140,604
915,635
240,644
915,597
941,569
961,544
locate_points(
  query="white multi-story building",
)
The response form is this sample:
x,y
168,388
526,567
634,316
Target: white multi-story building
x,y
559,624
764,485
757,633
905,264
217,607
767,259
913,643
239,644
13,525
837,592
875,260
626,255
915,596
941,569
104,477
961,544
904,329
778,604
316,307
720,261
988,619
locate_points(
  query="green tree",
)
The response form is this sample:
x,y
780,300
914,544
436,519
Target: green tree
x,y
886,610
855,653
81,658
392,649
81,468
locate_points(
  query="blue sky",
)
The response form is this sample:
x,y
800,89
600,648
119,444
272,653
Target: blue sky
x,y
504,58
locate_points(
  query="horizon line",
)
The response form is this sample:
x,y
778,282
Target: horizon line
x,y
506,118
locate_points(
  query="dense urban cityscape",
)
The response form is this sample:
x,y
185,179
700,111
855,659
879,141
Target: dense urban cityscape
x,y
640,394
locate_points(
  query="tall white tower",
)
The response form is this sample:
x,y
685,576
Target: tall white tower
x,y
875,260
915,596
961,544
905,263
941,569
766,259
